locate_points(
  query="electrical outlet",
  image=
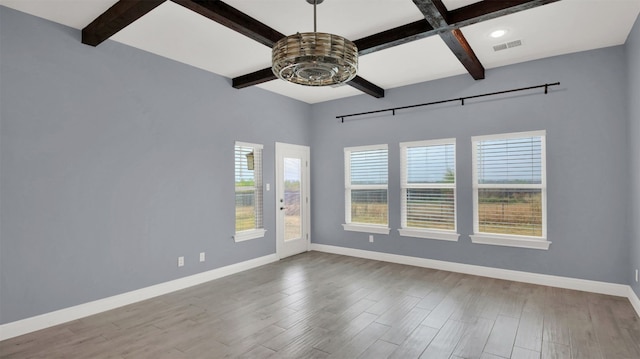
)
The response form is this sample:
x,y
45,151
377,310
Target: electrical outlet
x,y
201,256
371,238
180,261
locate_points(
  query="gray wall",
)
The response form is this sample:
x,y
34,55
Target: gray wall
x,y
114,162
586,122
633,64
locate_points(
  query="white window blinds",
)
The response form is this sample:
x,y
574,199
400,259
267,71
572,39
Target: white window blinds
x,y
510,184
366,172
248,190
428,181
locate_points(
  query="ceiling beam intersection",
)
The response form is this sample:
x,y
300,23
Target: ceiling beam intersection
x,y
436,14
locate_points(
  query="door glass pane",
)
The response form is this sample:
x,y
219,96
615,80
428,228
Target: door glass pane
x,y
292,198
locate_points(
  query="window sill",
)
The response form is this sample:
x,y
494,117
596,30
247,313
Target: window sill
x,y
368,228
429,234
249,234
510,241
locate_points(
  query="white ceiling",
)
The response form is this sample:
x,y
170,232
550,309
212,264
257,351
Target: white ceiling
x,y
174,32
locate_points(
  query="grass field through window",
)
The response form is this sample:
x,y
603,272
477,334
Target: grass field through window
x,y
502,216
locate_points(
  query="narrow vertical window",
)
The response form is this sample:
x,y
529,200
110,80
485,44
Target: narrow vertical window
x,y
428,181
509,179
248,188
366,178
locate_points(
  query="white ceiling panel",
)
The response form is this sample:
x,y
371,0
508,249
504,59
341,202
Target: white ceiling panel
x,y
413,62
309,94
456,4
173,31
353,19
554,29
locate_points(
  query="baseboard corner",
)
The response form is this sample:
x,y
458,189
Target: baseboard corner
x,y
635,301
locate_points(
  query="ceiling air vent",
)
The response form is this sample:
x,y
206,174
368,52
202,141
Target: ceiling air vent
x,y
507,45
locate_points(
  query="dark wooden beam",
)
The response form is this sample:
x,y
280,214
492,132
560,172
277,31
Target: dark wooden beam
x,y
234,19
366,87
253,78
116,18
487,10
393,37
434,11
460,47
436,14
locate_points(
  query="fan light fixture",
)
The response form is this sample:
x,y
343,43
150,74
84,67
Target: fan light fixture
x,y
315,58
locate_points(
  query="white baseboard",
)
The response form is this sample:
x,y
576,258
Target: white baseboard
x,y
46,320
619,290
635,301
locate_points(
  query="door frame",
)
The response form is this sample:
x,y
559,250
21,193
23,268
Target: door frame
x,y
281,149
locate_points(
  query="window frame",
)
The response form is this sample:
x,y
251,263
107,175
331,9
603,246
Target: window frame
x,y
356,226
259,231
511,240
428,233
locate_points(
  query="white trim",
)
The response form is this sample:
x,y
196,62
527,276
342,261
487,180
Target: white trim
x,y
542,186
383,146
248,144
348,187
405,186
619,290
429,234
443,141
510,241
502,136
249,234
304,153
635,301
50,319
368,228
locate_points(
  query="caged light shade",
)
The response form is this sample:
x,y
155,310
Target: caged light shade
x,y
315,58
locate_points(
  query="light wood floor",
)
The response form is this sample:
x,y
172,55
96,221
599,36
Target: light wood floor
x,y
319,305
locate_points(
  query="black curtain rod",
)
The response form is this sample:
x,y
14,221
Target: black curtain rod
x,y
461,99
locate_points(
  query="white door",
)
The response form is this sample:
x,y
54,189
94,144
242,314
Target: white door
x,y
292,199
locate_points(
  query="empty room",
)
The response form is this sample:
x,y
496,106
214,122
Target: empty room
x,y
319,179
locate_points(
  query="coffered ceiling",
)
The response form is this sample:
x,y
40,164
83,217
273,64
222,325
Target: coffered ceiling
x,y
401,42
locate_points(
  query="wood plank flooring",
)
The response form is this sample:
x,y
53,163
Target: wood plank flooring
x,y
318,305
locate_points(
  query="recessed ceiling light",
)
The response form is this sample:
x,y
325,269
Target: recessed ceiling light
x,y
498,33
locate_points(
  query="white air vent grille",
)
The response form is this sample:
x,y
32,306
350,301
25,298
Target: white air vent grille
x,y
507,45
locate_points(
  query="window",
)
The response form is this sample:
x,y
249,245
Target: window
x,y
248,184
509,179
428,181
366,173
